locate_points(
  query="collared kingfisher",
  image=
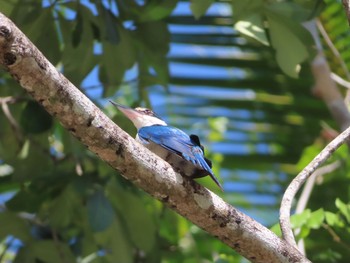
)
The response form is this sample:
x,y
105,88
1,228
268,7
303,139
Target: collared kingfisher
x,y
184,153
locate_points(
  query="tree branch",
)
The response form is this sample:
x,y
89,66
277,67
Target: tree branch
x,y
306,193
346,5
298,181
325,87
136,163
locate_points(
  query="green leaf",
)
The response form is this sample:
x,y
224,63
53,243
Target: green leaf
x,y
78,29
218,127
11,224
108,22
64,208
153,40
115,242
23,154
42,31
8,6
298,220
290,47
5,170
156,10
344,209
25,255
333,219
242,9
35,119
52,251
32,161
78,35
100,211
304,232
155,36
24,201
253,26
140,225
200,7
116,59
308,155
316,219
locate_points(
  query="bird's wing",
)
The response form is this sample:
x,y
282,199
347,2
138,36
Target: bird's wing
x,y
178,142
172,139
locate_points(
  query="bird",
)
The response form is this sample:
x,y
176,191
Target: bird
x,y
182,151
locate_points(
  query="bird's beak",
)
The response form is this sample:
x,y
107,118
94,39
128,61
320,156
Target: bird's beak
x,y
127,111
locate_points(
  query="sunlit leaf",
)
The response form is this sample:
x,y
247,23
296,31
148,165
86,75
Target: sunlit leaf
x,y
253,26
298,220
316,219
333,219
344,209
282,39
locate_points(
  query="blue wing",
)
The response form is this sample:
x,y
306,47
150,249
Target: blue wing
x,y
178,142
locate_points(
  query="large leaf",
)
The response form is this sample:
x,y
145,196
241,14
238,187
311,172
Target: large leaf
x,y
65,208
51,251
100,211
282,39
140,225
116,59
12,225
35,119
78,37
115,242
253,26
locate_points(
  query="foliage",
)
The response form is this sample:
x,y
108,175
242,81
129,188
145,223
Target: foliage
x,y
324,226
66,205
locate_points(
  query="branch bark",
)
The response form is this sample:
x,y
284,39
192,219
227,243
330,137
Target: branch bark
x,y
147,171
346,5
325,87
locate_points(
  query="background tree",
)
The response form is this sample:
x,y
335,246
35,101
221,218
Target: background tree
x,y
233,91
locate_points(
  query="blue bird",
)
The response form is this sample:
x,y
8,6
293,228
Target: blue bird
x,y
184,153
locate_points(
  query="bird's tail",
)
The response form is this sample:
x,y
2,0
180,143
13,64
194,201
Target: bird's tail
x,y
206,167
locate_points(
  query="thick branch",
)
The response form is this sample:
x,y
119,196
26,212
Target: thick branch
x,y
298,181
325,86
147,171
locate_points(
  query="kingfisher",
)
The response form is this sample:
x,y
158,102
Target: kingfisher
x,y
183,152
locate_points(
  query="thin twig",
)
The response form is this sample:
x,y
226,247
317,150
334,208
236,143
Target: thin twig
x,y
298,181
332,47
339,80
14,125
306,193
335,237
57,244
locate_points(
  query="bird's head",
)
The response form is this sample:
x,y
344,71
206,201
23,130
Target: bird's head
x,y
141,117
